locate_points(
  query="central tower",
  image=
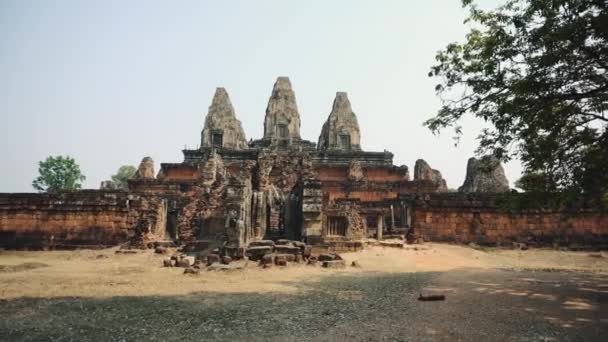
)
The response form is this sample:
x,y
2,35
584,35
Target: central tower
x,y
282,121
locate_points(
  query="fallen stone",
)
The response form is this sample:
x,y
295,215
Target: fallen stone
x,y
192,270
287,249
160,250
280,260
334,264
256,253
168,262
262,243
391,244
267,259
307,251
226,260
298,258
213,258
355,264
299,244
176,257
329,257
283,242
431,297
186,261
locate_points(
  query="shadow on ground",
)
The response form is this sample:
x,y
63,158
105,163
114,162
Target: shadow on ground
x,y
481,305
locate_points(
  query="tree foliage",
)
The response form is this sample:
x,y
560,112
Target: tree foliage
x,y
537,71
124,173
58,173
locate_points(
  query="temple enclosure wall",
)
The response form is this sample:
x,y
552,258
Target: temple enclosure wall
x,y
78,219
480,218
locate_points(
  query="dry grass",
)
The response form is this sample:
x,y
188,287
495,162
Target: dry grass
x,y
100,295
94,273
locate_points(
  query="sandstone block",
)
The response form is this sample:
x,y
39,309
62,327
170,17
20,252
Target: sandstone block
x,y
329,257
256,253
186,261
280,260
287,249
267,259
192,270
334,264
283,242
262,243
226,260
213,258
168,262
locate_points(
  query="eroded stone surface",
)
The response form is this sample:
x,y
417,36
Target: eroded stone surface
x,y
423,171
145,169
222,128
341,130
282,120
485,175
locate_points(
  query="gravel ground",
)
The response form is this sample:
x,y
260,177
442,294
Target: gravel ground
x,y
374,303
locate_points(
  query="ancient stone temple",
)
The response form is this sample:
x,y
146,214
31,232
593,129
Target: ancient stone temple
x,y
231,192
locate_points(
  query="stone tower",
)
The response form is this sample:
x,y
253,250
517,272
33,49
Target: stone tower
x,y
341,130
282,122
222,128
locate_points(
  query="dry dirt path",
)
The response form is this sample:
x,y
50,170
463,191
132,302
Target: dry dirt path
x,y
492,295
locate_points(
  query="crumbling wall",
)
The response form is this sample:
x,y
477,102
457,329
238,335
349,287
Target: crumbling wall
x,y
357,228
78,219
479,218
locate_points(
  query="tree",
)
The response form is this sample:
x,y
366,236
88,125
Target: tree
x,y
537,71
123,174
58,173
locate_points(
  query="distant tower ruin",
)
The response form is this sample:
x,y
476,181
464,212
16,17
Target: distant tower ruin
x,y
282,121
222,129
341,130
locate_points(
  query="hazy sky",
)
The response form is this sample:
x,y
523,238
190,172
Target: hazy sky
x,y
109,82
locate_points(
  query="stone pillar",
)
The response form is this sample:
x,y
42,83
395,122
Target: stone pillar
x,y
392,217
380,226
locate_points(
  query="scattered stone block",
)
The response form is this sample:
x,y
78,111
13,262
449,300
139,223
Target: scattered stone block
x,y
307,251
257,252
431,297
221,267
287,249
192,270
213,258
280,260
299,244
298,258
226,260
186,261
334,264
160,250
268,243
168,262
126,251
355,264
283,242
235,252
329,257
267,259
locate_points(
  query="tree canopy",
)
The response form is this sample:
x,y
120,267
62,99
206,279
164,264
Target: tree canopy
x,y
58,173
123,174
536,70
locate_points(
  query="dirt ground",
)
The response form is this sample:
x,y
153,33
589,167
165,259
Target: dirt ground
x,y
491,295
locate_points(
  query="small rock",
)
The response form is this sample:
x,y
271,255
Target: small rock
x,y
186,261
334,264
168,262
192,270
226,260
212,258
266,243
355,264
280,260
267,259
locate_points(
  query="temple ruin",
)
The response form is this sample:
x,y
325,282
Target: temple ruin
x,y
231,192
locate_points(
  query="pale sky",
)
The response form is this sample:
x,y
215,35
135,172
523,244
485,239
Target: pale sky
x,y
109,82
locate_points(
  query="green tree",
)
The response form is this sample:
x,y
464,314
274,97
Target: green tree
x,y
536,70
123,174
58,173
